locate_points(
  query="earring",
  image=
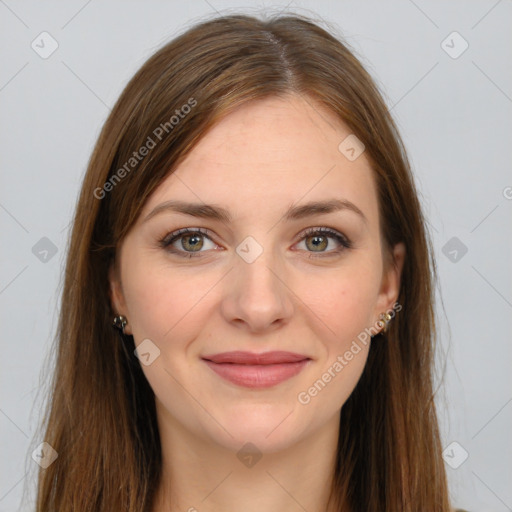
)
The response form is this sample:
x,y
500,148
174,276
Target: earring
x,y
384,320
119,322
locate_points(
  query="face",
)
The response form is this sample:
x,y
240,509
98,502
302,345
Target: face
x,y
267,276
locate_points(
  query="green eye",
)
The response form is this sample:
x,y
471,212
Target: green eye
x,y
320,241
192,241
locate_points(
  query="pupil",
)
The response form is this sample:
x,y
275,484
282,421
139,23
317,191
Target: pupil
x,y
195,241
318,241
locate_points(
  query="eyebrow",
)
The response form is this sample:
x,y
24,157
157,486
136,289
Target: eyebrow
x,y
214,212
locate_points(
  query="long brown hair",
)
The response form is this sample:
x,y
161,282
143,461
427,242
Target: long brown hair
x,y
101,415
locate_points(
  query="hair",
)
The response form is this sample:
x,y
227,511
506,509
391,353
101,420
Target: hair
x,y
101,416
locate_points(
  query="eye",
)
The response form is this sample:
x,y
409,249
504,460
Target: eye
x,y
188,240
317,239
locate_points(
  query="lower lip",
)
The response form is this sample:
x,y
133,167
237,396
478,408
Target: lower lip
x,y
257,376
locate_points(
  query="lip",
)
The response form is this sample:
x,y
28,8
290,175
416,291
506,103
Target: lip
x,y
257,370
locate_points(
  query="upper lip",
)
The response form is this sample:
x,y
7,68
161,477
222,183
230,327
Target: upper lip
x,y
239,357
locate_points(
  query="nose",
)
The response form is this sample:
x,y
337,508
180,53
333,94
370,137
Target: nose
x,y
256,296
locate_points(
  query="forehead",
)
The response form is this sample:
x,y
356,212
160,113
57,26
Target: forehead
x,y
268,154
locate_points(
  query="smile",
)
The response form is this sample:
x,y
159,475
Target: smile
x,y
257,370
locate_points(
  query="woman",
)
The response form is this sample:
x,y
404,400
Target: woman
x,y
249,225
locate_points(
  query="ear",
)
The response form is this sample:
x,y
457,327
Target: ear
x,y
117,300
391,278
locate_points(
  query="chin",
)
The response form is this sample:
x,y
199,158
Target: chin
x,y
246,438
269,428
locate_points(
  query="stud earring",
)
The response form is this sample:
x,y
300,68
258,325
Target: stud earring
x,y
384,320
119,322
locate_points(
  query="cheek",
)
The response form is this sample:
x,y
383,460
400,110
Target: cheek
x,y
342,310
343,303
162,302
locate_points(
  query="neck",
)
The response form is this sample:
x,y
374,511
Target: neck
x,y
199,475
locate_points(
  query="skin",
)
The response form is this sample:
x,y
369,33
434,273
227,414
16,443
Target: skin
x,y
256,162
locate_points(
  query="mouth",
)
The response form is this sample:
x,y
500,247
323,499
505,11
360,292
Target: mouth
x,y
257,370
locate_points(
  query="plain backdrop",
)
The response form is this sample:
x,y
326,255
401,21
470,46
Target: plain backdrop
x,y
444,69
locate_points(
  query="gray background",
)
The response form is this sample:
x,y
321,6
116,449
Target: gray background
x,y
454,115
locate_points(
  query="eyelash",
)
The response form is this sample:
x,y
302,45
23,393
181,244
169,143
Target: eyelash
x,y
169,239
